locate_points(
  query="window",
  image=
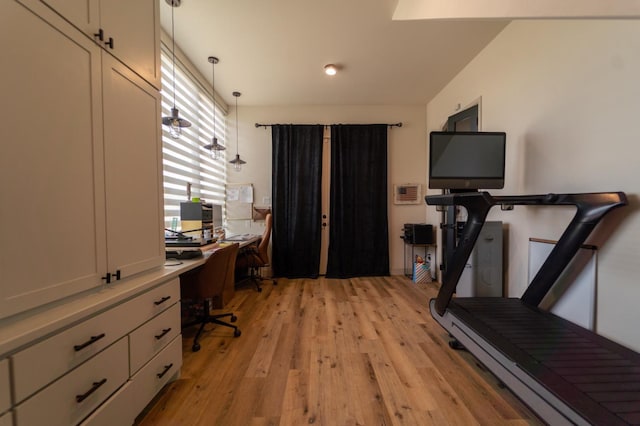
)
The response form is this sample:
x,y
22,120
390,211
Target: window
x,y
185,160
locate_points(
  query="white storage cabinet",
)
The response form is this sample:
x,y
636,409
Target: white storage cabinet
x,y
81,123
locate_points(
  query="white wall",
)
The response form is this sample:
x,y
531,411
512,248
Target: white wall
x,y
566,93
407,154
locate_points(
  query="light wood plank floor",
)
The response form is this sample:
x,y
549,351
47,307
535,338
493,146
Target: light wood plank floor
x,y
363,351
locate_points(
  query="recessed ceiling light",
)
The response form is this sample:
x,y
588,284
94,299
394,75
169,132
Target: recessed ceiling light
x,y
330,69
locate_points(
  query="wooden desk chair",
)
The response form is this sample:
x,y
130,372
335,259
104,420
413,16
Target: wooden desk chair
x,y
256,257
212,286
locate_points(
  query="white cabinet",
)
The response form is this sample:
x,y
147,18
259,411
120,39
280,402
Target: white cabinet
x,y
156,373
79,118
70,399
117,410
130,30
75,345
108,366
51,170
150,338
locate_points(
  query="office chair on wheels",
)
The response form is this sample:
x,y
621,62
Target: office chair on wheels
x,y
256,257
211,285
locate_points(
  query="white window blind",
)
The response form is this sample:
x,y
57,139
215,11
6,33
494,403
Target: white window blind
x,y
185,160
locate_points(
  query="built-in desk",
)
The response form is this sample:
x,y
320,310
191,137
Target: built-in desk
x,y
244,242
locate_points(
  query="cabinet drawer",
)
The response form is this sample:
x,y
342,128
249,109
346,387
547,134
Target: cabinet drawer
x,y
154,301
117,410
64,351
68,349
71,398
154,335
5,392
157,373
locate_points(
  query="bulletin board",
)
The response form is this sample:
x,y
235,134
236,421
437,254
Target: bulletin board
x,y
239,201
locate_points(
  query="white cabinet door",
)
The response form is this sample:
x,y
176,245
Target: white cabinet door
x,y
130,30
135,29
133,170
84,14
51,168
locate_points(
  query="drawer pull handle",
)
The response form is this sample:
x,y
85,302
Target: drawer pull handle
x,y
161,301
96,385
166,369
164,332
88,342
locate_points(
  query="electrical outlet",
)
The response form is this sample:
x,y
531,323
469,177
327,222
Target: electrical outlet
x,y
266,201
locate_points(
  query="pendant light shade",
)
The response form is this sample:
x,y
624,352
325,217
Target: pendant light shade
x,y
237,162
214,146
174,121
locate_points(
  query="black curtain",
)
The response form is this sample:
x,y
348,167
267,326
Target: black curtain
x,y
296,192
358,238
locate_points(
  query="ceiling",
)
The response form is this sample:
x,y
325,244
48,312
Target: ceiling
x,y
273,52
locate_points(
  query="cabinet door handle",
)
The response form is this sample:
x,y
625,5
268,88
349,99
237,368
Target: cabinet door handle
x,y
96,385
166,369
109,43
99,34
164,332
161,301
88,342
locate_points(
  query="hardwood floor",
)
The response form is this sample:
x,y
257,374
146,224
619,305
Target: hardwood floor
x,y
363,351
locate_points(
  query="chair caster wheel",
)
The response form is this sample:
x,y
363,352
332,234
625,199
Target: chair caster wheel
x,y
195,347
454,344
236,333
234,318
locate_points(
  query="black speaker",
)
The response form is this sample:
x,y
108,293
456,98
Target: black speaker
x,y
418,233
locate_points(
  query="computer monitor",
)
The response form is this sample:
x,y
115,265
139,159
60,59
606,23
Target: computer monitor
x,y
216,216
466,160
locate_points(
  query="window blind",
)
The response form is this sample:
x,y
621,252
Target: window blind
x,y
185,160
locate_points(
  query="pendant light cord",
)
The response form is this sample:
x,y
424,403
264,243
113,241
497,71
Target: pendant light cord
x,y
173,53
213,95
237,137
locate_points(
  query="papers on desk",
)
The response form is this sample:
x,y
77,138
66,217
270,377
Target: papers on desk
x,y
241,237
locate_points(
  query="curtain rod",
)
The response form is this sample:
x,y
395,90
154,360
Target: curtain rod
x,y
269,125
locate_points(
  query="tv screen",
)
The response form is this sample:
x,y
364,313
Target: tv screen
x,y
466,160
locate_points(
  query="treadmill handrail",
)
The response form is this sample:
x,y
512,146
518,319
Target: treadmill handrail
x,y
590,209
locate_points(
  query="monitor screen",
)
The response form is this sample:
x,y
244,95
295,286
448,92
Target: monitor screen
x,y
466,160
216,216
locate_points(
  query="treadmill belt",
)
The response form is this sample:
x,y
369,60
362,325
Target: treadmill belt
x,y
597,377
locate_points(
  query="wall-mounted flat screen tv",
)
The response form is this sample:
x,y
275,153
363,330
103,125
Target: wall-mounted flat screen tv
x,y
466,160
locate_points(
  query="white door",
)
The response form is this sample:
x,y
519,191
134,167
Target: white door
x,y
326,185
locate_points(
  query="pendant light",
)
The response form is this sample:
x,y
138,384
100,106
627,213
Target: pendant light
x,y
237,162
174,121
214,146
